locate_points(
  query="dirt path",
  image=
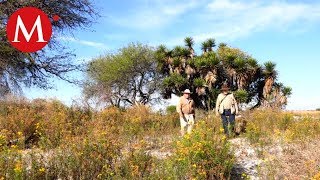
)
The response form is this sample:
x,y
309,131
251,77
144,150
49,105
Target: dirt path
x,y
247,161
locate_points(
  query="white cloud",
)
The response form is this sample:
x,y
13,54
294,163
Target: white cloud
x,y
154,14
223,19
83,42
177,9
233,19
222,5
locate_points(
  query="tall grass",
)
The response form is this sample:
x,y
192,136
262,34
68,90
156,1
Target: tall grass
x,y
44,139
266,126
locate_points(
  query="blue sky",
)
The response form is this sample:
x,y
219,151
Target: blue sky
x,y
286,32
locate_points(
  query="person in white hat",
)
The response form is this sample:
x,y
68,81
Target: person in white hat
x,y
185,108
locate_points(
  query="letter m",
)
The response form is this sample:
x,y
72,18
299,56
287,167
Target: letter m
x,y
27,36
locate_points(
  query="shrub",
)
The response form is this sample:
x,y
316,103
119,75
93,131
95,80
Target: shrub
x,y
137,165
205,154
241,95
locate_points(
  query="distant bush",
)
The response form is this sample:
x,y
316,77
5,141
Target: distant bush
x,y
318,109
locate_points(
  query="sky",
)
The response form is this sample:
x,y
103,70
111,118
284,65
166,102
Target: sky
x,y
285,32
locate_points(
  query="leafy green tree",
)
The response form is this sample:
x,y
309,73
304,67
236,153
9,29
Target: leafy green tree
x,y
205,73
19,69
125,78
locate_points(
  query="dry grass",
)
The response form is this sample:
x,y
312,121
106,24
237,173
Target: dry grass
x,y
45,139
288,145
64,142
299,160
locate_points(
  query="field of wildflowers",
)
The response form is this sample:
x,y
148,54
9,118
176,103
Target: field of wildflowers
x,y
44,139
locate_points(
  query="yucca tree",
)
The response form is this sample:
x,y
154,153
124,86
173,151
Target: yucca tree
x,y
190,71
204,74
210,44
189,43
180,54
245,69
165,59
162,49
177,51
242,75
227,56
161,56
270,75
222,45
285,92
204,47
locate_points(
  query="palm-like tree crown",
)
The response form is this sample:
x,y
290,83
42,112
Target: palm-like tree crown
x,y
178,51
210,44
204,46
189,42
269,69
162,49
222,45
287,91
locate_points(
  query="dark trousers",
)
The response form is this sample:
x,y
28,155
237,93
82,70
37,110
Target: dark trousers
x,y
227,118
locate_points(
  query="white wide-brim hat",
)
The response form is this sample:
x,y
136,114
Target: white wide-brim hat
x,y
187,91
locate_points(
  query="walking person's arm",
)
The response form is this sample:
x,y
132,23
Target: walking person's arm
x,y
178,108
193,106
217,105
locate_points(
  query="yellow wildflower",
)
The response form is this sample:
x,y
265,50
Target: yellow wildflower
x,y
18,168
42,170
221,130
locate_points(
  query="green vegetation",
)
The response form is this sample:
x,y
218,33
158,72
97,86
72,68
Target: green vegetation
x,y
264,127
45,139
137,73
171,109
126,78
204,74
19,69
203,154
